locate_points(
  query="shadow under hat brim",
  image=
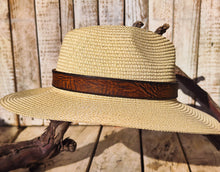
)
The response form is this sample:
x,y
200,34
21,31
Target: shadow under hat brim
x,y
160,115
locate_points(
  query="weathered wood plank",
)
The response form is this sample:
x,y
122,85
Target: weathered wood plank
x,y
7,84
160,12
201,154
162,152
30,133
7,134
111,12
67,18
49,38
118,150
25,50
24,44
185,38
209,48
67,24
136,10
86,13
85,136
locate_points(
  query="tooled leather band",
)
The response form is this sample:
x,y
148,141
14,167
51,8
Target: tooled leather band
x,y
114,87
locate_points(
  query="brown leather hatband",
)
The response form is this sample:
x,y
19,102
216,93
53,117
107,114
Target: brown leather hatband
x,y
114,87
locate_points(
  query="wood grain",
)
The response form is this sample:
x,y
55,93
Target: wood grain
x,y
136,10
86,13
118,150
185,38
30,133
160,12
24,44
162,152
7,84
85,136
201,154
77,161
7,134
67,16
209,48
49,37
111,12
25,50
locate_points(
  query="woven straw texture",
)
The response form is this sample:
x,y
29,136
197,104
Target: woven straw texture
x,y
116,52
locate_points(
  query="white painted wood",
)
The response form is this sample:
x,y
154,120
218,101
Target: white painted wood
x,y
67,24
209,48
67,18
24,44
7,84
25,50
136,10
86,13
49,38
111,12
161,12
186,35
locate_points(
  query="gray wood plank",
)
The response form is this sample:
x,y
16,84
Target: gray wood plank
x,y
136,10
111,12
118,151
209,48
77,161
7,134
162,152
201,154
185,38
86,13
7,80
25,50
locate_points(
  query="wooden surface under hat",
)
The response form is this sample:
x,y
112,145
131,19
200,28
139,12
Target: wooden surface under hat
x,y
122,149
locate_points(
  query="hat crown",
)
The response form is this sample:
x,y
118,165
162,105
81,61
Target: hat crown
x,y
118,52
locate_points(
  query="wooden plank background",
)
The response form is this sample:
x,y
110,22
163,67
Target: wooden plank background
x,y
31,33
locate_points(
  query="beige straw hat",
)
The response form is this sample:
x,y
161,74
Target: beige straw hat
x,y
114,75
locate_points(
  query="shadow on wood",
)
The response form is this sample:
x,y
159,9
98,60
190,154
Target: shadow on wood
x,y
157,145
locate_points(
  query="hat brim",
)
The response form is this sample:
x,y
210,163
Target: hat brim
x,y
161,115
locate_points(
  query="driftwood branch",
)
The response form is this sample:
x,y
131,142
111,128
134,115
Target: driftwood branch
x,y
138,24
162,29
27,153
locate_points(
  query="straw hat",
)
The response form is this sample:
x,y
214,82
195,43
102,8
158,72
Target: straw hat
x,y
114,75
